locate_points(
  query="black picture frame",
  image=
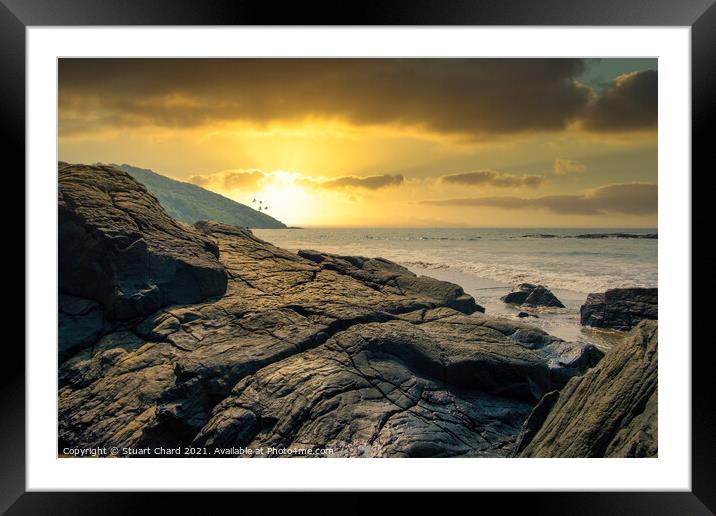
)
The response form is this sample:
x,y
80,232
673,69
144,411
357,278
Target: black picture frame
x,y
17,15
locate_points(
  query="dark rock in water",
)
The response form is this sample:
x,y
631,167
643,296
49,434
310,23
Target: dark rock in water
x,y
618,235
620,308
118,247
611,411
522,315
313,350
596,235
532,295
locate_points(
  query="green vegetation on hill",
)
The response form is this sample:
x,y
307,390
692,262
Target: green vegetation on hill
x,y
189,203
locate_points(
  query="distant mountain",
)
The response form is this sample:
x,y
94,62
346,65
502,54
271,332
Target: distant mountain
x,y
188,203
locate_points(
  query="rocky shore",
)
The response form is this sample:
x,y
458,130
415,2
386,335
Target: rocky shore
x,y
206,335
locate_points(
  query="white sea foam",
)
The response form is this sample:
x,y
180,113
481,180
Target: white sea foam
x,y
499,255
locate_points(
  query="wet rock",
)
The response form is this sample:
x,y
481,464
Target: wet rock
x,y
620,308
611,411
528,294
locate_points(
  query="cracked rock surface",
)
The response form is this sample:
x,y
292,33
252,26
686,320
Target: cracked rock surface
x,y
301,350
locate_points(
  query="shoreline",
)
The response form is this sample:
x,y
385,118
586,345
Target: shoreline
x,y
488,264
560,322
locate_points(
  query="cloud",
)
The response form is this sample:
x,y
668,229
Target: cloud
x,y
494,178
232,180
255,179
367,183
568,166
480,98
630,102
625,198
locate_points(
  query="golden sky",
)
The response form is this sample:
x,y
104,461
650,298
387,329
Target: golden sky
x,y
382,142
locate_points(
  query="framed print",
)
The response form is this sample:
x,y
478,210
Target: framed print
x,y
421,249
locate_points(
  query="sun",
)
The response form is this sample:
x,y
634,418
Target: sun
x,y
285,199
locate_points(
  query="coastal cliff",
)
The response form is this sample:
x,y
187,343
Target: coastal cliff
x,y
218,339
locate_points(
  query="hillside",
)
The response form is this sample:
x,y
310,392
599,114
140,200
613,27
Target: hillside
x,y
190,203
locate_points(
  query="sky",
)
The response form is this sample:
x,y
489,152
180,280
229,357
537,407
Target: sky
x,y
382,142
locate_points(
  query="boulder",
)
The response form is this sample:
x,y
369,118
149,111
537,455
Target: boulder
x,y
118,247
611,411
528,294
619,308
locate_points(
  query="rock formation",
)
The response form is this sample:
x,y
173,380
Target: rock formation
x,y
611,411
527,294
620,308
300,351
118,247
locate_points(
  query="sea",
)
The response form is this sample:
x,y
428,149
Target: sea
x,y
489,262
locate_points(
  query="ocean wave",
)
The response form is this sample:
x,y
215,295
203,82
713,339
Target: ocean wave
x,y
584,282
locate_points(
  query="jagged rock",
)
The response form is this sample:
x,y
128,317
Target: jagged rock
x,y
118,247
620,308
611,411
315,349
528,294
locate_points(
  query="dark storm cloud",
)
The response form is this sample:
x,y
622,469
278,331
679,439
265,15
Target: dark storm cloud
x,y
474,97
367,183
630,102
494,178
628,198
